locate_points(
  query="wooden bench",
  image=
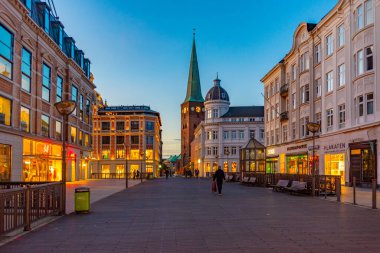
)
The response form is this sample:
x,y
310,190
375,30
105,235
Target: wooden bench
x,y
281,184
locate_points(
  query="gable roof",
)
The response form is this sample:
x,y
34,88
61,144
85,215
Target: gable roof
x,y
244,111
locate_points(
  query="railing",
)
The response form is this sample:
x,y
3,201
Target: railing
x,y
20,206
148,175
284,116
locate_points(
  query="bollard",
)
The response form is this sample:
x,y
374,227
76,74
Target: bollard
x,y
354,189
337,189
374,186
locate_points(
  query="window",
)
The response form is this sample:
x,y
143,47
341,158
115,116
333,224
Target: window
x,y
119,139
284,133
226,151
87,140
341,36
304,62
88,118
318,120
120,153
46,77
318,87
225,135
215,113
25,119
368,12
261,134
294,72
134,125
277,110
120,126
149,140
294,104
233,134
58,130
59,89
149,126
106,126
233,150
359,17
318,54
304,130
215,151
330,119
209,114
252,134
329,45
294,130
267,141
73,135
208,150
277,133
369,103
80,137
214,135
272,137
271,89
105,155
329,82
26,69
134,139
305,94
6,52
241,134
341,75
342,115
106,140
81,107
360,101
209,135
6,163
359,63
5,111
369,58
74,97
45,121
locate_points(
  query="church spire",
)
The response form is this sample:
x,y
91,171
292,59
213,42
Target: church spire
x,y
194,93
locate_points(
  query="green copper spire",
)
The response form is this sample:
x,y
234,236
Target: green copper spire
x,y
194,93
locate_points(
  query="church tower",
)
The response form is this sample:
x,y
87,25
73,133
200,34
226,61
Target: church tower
x,y
192,109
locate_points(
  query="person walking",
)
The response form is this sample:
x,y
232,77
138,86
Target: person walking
x,y
219,177
167,174
196,173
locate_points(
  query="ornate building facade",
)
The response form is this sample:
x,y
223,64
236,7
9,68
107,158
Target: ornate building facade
x,y
39,66
192,109
328,77
125,137
225,130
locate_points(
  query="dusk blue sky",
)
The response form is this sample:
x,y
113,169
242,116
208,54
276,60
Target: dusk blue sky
x,y
140,50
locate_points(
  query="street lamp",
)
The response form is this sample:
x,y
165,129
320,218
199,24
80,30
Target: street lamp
x,y
142,157
64,108
313,127
126,169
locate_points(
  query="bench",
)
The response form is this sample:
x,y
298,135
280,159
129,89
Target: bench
x,y
281,184
248,180
300,187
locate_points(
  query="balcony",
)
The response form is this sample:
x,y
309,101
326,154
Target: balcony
x,y
284,90
284,116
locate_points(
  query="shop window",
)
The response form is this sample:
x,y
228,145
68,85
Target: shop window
x,y
233,167
45,123
149,126
120,169
149,169
106,169
46,78
335,165
149,154
5,162
58,130
73,134
26,69
120,126
207,167
25,119
135,126
59,89
135,154
225,166
120,152
6,52
5,111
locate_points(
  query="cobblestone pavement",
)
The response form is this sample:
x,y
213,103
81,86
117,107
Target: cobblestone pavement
x,y
182,215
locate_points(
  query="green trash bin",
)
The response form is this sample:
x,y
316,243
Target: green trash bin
x,y
82,200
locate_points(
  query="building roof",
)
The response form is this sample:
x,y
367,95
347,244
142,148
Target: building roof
x,y
217,92
128,110
194,93
244,111
254,144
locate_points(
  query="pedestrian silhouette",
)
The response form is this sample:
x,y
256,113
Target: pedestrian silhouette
x,y
219,177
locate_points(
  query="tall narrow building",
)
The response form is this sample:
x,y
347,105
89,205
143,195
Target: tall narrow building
x,y
192,109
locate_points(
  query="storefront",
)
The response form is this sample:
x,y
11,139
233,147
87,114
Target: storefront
x,y
335,160
5,163
363,162
252,157
42,162
271,165
297,164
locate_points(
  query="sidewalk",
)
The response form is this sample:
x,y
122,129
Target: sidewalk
x,y
99,189
363,196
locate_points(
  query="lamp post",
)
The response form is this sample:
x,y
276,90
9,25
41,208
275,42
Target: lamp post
x,y
313,127
126,169
64,108
142,157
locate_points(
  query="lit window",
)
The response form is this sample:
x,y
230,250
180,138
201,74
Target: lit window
x,y
73,135
46,77
25,119
5,165
6,52
26,69
5,111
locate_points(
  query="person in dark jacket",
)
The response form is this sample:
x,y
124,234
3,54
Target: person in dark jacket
x,y
219,177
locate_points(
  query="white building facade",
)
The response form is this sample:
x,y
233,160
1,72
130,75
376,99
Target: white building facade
x,y
219,138
328,77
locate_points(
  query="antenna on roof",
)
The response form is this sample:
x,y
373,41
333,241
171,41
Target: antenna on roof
x,y
193,33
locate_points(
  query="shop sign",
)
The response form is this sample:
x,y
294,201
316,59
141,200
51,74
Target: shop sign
x,y
43,148
271,151
335,147
316,147
303,146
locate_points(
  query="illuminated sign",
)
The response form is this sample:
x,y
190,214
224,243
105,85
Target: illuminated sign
x,y
270,151
297,147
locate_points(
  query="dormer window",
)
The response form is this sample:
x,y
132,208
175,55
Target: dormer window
x,y
69,46
44,16
57,33
223,95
